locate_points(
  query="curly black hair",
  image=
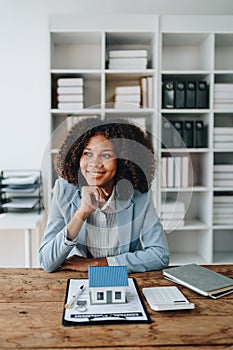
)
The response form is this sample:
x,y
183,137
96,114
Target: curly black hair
x,y
134,150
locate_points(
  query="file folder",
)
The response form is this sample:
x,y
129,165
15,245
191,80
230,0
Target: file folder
x,y
179,94
202,94
200,134
191,94
167,132
188,133
168,94
177,134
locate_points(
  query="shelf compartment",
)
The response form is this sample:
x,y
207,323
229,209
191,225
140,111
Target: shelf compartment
x,y
222,246
189,246
72,50
91,88
189,51
132,41
224,51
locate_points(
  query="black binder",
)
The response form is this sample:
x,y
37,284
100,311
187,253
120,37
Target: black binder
x,y
200,134
167,134
179,94
191,94
188,133
202,94
168,94
177,134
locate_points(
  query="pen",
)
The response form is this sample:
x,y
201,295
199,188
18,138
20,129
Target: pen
x,y
74,297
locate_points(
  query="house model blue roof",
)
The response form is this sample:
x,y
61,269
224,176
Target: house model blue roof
x,y
107,276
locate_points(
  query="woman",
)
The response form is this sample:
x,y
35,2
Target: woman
x,y
102,211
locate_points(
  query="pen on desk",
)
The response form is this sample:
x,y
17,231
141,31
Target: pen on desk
x,y
74,297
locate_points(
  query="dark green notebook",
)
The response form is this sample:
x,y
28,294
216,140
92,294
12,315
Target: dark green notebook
x,y
200,279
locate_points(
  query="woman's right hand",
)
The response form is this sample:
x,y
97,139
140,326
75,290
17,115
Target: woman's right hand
x,y
92,197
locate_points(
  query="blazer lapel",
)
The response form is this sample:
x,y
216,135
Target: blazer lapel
x,y
124,216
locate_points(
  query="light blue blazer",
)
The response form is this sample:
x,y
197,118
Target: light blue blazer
x,y
143,245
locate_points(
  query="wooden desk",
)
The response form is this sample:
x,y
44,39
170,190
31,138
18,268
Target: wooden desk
x,y
31,306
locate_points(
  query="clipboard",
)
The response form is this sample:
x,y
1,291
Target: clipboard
x,y
131,312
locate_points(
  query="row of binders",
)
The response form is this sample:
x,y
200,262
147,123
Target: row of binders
x,y
127,59
223,210
172,214
180,134
70,93
185,94
223,175
175,171
223,137
223,96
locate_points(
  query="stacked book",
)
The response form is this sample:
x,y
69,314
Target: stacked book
x,y
172,214
223,137
127,59
70,93
223,96
127,97
147,91
223,210
175,171
223,175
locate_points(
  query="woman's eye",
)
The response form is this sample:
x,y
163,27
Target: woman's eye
x,y
87,154
107,155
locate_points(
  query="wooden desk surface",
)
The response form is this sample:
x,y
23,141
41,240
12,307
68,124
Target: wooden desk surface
x,y
31,306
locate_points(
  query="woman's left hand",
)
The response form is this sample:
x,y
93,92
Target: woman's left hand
x,y
79,263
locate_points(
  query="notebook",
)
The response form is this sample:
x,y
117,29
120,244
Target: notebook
x,y
200,279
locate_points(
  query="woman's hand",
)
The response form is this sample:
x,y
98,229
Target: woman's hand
x,y
79,263
92,197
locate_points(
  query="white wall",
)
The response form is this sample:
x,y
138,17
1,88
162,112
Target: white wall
x,y
24,64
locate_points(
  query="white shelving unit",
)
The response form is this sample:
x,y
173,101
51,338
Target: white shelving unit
x,y
184,47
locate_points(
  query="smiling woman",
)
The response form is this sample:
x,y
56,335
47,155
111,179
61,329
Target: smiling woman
x,y
102,211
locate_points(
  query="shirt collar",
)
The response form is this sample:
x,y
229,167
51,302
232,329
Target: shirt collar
x,y
109,206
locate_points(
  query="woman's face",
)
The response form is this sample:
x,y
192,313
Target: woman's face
x,y
98,162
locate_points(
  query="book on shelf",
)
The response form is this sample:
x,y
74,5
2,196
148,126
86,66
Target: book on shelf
x,y
70,82
175,171
200,279
127,59
223,175
223,183
228,199
70,97
70,90
126,105
128,98
70,105
134,89
223,168
172,214
147,91
127,53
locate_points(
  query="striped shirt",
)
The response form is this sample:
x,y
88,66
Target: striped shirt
x,y
102,232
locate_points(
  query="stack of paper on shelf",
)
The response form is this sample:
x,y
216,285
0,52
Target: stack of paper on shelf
x,y
127,59
223,96
172,214
147,91
127,97
223,175
223,137
223,210
175,171
70,93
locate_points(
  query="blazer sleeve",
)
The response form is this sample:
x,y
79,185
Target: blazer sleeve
x,y
150,250
53,250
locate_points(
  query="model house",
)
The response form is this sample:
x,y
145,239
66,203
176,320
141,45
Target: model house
x,y
107,284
